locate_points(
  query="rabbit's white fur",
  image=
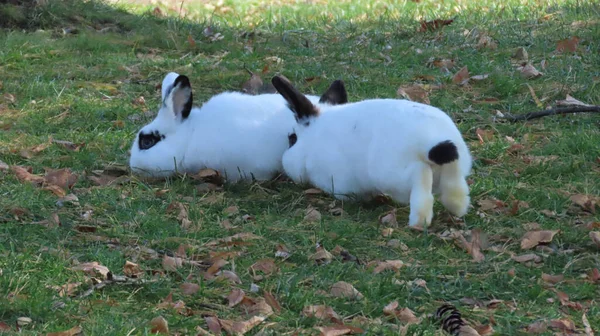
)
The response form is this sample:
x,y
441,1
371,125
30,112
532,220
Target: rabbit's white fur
x,y
381,146
240,135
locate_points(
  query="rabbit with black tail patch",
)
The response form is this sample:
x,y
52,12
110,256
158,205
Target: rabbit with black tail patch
x,y
405,149
241,136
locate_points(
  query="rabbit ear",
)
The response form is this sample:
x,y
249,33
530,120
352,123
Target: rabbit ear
x,y
167,84
335,95
297,102
179,100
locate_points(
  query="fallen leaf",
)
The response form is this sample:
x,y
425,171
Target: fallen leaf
x,y
3,325
387,232
322,256
171,263
24,175
461,77
240,328
132,270
595,275
188,288
490,204
93,269
393,265
587,326
569,44
586,202
389,219
528,71
253,85
552,279
321,312
334,330
3,166
312,215
467,330
258,307
71,332
521,54
313,191
531,257
404,315
414,92
267,266
159,325
345,290
272,301
441,63
473,247
68,289
534,238
213,324
486,41
282,251
235,297
434,24
562,325
182,214
484,330
484,135
570,101
595,236
537,327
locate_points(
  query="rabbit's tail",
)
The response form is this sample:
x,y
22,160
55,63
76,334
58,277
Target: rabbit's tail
x,y
443,153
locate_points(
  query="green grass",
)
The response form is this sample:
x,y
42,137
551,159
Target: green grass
x,y
80,88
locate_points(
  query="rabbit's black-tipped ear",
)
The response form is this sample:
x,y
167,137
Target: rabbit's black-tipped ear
x,y
335,95
297,102
180,99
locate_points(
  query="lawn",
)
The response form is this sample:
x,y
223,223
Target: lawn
x,y
78,80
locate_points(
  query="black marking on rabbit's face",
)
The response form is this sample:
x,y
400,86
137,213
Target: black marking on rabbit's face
x,y
149,140
292,138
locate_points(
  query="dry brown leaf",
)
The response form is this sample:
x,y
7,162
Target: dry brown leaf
x,y
3,325
528,71
240,328
485,41
235,297
467,331
534,238
387,232
484,135
71,332
595,236
461,77
345,290
188,288
531,257
313,191
414,92
272,301
484,330
404,315
393,265
441,63
267,266
570,101
434,24
171,264
63,178
473,247
322,256
389,218
282,251
24,175
253,85
230,275
93,269
132,270
587,327
564,325
594,275
552,279
334,330
213,324
537,327
312,215
68,289
568,45
321,312
159,325
521,54
586,202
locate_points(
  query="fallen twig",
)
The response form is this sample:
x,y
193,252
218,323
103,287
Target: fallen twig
x,y
549,112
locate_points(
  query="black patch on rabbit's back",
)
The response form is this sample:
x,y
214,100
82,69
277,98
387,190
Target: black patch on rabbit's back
x,y
444,152
149,140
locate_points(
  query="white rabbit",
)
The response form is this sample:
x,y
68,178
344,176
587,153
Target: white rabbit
x,y
239,135
401,148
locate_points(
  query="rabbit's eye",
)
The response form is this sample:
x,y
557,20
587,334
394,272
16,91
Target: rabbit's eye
x,y
147,141
292,138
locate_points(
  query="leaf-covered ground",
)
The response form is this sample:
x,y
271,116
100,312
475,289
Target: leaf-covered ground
x,y
86,247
